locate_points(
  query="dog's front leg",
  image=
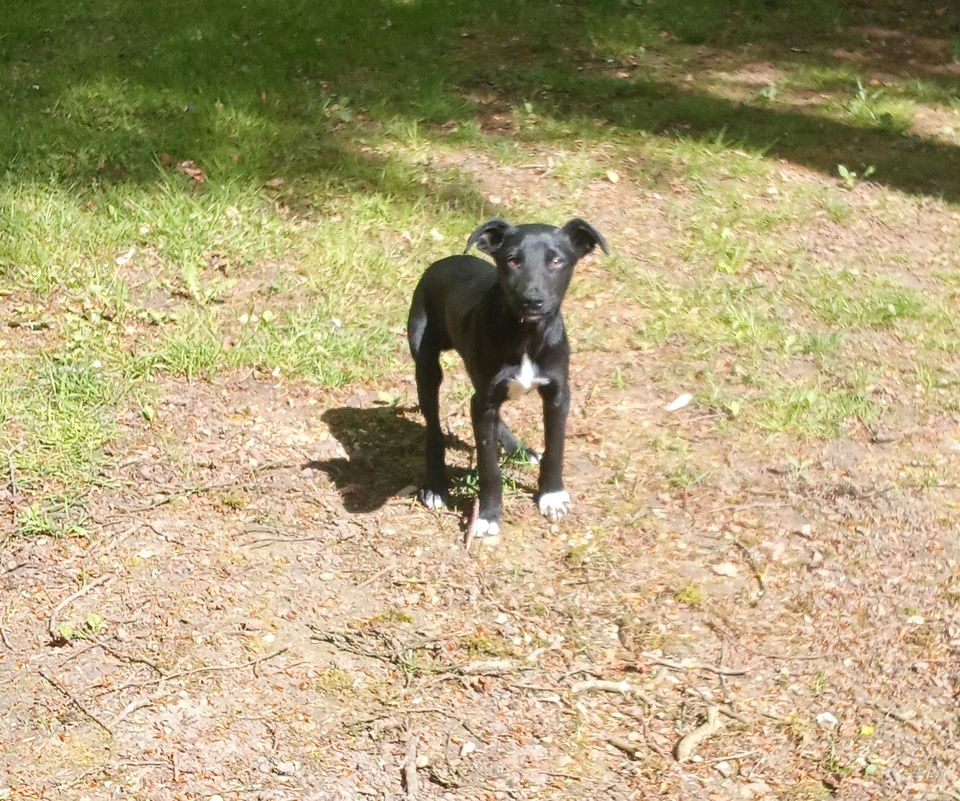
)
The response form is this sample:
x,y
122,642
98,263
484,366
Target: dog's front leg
x,y
486,421
552,499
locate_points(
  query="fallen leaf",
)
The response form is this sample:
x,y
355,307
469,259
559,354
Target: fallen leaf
x,y
679,402
124,258
724,569
191,170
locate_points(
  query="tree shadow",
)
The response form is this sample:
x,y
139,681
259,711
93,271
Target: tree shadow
x,y
384,454
106,93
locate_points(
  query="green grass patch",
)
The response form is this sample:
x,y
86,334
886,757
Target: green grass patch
x,y
811,411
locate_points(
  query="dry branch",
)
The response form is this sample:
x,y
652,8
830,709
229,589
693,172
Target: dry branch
x,y
195,671
690,665
632,750
410,779
487,667
688,744
379,574
55,635
74,700
601,685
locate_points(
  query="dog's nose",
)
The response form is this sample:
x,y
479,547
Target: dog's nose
x,y
532,303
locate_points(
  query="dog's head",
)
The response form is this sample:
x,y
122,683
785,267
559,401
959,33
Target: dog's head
x,y
535,262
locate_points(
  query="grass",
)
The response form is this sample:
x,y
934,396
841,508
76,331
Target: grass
x,y
209,187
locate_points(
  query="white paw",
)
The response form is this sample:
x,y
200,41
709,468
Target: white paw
x,y
481,528
432,500
554,505
533,457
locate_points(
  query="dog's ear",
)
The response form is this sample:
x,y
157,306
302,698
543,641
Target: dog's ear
x,y
584,237
489,236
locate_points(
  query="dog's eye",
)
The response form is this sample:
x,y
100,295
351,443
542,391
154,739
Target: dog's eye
x,y
556,262
513,262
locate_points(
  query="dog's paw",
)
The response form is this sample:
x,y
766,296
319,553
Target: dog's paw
x,y
432,500
554,505
533,457
481,529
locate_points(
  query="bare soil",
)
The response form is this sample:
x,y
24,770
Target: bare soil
x,y
280,620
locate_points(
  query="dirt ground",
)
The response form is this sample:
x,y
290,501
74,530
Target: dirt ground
x,y
258,608
261,611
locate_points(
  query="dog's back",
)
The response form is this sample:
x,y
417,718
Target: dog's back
x,y
443,299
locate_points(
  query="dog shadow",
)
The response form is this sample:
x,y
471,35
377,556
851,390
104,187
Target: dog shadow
x,y
384,454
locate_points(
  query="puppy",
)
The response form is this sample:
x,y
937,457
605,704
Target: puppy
x,y
505,323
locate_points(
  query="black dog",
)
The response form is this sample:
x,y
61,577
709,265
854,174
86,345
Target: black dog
x,y
505,323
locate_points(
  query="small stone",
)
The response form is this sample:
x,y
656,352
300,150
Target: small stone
x,y
725,769
827,720
724,569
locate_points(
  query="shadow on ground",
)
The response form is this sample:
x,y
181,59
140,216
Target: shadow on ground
x,y
258,90
384,455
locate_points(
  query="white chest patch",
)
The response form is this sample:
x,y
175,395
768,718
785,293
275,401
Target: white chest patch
x,y
527,377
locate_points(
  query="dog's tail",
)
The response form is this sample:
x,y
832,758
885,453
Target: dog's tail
x,y
417,322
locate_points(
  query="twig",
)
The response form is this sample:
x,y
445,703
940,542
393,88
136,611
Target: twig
x,y
468,537
733,757
55,636
128,658
187,492
601,685
688,665
194,671
432,710
73,700
487,667
688,744
129,709
379,574
646,736
263,542
411,781
757,572
630,749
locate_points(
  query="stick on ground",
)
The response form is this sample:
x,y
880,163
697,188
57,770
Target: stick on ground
x,y
688,744
410,779
73,700
55,635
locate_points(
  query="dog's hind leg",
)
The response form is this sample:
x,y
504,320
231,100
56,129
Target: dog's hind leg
x,y
513,445
426,354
